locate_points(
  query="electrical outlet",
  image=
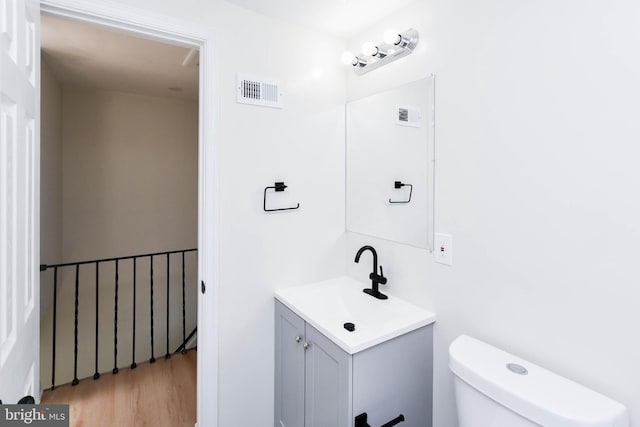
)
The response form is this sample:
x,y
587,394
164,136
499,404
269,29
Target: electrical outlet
x,y
443,248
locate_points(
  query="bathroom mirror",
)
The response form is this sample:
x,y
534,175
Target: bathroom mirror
x,y
390,164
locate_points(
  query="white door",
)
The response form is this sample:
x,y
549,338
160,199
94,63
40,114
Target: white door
x,y
19,199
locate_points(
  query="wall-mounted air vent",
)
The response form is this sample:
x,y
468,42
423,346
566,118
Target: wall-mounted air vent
x,y
260,92
408,116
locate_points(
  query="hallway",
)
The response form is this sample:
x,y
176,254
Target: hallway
x,y
159,394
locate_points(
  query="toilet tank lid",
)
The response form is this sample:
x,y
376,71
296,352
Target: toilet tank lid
x,y
539,395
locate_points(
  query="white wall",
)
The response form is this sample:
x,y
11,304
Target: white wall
x,y
50,176
129,186
536,166
536,150
303,144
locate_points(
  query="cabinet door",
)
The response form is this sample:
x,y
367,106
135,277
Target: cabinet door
x,y
328,382
396,377
289,378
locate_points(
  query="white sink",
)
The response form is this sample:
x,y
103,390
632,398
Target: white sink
x,y
328,305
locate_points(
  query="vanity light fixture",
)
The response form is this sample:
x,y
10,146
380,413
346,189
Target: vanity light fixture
x,y
406,39
392,36
349,58
371,49
395,46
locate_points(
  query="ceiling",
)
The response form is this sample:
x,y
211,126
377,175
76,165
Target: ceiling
x,y
90,56
340,18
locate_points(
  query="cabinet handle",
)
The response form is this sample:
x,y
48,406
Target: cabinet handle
x,y
306,345
297,338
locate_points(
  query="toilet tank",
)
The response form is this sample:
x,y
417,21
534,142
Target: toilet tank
x,y
497,389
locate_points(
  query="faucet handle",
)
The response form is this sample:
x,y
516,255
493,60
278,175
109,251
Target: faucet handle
x,y
383,280
379,278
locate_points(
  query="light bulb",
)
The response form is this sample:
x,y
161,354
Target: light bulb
x,y
369,48
349,58
392,36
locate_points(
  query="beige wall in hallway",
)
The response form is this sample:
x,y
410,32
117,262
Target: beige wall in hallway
x,y
50,176
130,173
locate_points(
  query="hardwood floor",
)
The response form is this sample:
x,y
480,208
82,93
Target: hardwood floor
x,y
154,395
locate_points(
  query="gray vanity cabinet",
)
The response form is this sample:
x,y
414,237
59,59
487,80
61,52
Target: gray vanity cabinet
x,y
313,376
289,409
328,375
317,384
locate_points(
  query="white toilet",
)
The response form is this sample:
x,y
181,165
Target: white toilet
x,y
496,389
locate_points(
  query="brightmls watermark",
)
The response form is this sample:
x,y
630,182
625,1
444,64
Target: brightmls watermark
x,y
34,415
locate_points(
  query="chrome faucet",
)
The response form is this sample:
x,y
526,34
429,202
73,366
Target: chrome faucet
x,y
376,279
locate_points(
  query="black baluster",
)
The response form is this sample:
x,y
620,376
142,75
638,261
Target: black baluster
x,y
75,333
115,327
153,359
133,343
167,355
184,330
96,375
55,310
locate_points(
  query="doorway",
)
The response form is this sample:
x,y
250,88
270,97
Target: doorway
x,y
119,169
161,28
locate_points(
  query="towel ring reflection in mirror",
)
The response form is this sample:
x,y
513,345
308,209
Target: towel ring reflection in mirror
x,y
398,185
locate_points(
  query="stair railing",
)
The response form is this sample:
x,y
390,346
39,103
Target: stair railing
x,y
117,260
